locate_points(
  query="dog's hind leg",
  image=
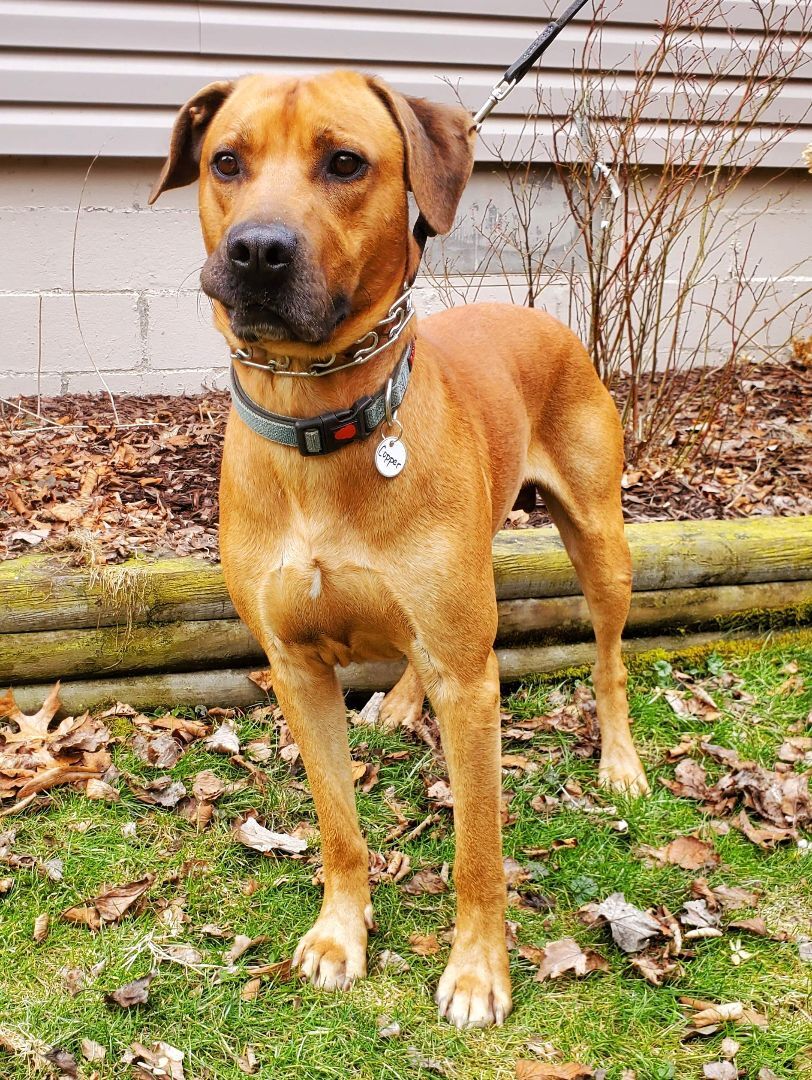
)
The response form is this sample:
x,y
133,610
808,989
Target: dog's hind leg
x,y
333,953
403,705
578,467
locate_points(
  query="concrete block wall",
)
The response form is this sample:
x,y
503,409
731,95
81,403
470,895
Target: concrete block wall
x,y
121,295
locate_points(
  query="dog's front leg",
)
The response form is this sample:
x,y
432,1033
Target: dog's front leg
x,y
333,953
474,990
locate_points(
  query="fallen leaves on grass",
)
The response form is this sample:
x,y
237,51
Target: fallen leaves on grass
x,y
779,797
36,756
109,906
240,946
723,897
160,1062
558,958
52,869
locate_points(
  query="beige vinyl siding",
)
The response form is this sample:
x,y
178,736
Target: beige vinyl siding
x,y
79,78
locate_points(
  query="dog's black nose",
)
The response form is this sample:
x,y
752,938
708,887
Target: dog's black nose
x,y
260,253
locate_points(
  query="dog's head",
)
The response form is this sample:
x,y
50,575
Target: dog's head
x,y
303,200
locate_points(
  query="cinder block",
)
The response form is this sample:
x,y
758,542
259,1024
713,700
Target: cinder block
x,y
185,381
24,384
38,245
110,324
188,380
19,333
151,248
180,333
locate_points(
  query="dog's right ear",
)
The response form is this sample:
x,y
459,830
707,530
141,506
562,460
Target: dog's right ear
x,y
182,166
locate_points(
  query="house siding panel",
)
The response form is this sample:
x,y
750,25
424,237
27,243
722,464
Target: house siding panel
x,y
81,77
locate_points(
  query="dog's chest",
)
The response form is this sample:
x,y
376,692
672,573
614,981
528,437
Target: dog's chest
x,y
314,588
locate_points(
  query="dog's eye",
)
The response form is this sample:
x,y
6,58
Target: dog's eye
x,y
345,164
226,164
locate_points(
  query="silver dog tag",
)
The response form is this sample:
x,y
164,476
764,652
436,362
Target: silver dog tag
x,y
390,457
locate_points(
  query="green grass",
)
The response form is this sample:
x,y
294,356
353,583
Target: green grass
x,y
614,1021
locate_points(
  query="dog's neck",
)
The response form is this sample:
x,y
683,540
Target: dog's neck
x,y
360,369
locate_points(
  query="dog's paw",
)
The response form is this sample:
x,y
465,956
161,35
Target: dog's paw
x,y
624,772
402,706
474,990
333,953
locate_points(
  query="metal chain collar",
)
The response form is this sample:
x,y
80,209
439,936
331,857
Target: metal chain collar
x,y
400,314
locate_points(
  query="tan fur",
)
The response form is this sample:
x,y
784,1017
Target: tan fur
x,y
329,562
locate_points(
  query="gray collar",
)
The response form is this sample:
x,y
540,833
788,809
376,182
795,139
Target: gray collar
x,y
329,431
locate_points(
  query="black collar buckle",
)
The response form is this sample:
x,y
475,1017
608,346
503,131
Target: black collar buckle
x,y
331,430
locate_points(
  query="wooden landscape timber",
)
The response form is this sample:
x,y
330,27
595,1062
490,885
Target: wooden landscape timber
x,y
165,631
112,651
44,592
232,687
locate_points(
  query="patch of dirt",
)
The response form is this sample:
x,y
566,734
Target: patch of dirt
x,y
71,477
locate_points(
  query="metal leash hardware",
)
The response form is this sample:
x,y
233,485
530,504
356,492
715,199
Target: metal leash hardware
x,y
390,453
399,316
519,68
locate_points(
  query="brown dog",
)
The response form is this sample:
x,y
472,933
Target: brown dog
x,y
303,203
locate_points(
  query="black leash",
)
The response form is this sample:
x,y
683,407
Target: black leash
x,y
509,81
519,68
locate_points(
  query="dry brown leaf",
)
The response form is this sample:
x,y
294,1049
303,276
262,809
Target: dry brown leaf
x,y
109,906
161,752
262,679
92,1051
632,929
558,958
133,993
439,793
224,740
539,1070
690,780
655,967
42,927
36,756
689,852
162,791
425,881
765,836
424,944
240,946
248,1062
101,791
391,961
725,897
255,836
708,1016
720,1070
251,989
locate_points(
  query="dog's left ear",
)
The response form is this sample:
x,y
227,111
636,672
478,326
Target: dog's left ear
x,y
439,152
182,165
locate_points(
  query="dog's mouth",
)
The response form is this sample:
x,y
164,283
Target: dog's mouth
x,y
302,310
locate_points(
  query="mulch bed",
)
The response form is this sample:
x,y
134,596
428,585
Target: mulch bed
x,y
72,478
